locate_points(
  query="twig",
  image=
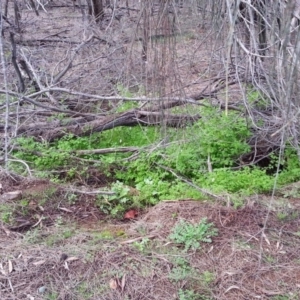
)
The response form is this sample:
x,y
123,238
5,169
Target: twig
x,y
108,150
37,79
138,239
25,98
24,163
92,192
204,191
69,65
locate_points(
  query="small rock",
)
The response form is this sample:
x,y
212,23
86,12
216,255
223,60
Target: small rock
x,y
15,195
42,289
63,257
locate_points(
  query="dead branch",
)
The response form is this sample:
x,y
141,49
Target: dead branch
x,y
181,178
108,150
128,118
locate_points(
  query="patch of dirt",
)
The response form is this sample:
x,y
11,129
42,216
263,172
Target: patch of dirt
x,y
43,203
70,251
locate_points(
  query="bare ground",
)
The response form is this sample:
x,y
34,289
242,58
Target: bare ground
x,y
70,250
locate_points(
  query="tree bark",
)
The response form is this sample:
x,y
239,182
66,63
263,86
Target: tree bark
x,y
129,118
96,9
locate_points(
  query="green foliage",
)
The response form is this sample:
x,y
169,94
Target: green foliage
x,y
142,245
84,290
57,238
207,277
287,215
50,156
256,99
191,236
290,296
190,295
222,137
41,156
124,91
219,137
249,180
126,136
118,203
6,212
52,296
215,136
291,167
182,270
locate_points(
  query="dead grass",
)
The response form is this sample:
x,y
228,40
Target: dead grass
x,y
92,258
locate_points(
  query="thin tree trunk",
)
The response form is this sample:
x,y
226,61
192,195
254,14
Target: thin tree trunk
x,y
96,9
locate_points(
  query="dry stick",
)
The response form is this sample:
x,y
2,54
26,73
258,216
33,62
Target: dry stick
x,y
206,192
108,150
41,4
69,65
37,79
24,163
192,99
116,98
138,239
34,7
7,106
229,46
92,192
94,151
272,197
21,87
25,98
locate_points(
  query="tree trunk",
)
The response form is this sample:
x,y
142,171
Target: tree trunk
x,y
95,8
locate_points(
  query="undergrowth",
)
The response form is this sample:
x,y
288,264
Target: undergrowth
x,y
192,235
205,154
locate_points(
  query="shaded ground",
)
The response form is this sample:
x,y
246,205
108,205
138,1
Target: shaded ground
x,y
70,250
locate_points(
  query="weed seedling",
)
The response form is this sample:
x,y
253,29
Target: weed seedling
x,y
190,295
142,245
191,236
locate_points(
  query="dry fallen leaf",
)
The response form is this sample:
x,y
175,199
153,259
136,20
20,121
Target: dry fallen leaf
x,y
113,284
7,232
72,258
123,282
10,266
2,270
66,209
40,262
231,288
40,218
15,195
131,214
266,239
32,204
41,208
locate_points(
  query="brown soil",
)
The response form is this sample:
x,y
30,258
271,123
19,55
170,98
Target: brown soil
x,y
74,252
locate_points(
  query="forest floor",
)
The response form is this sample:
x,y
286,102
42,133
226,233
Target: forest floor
x,y
55,243
61,247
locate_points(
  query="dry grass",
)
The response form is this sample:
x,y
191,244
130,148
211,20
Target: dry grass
x,y
74,257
